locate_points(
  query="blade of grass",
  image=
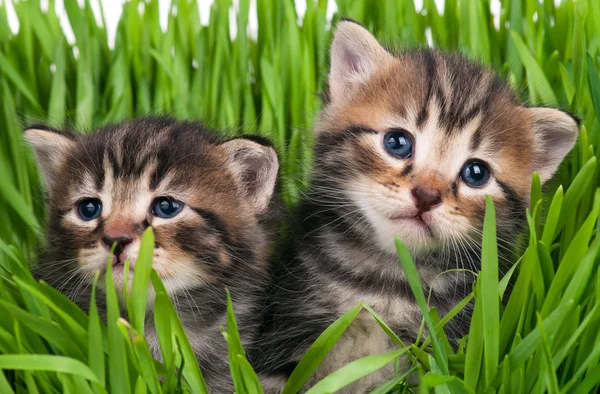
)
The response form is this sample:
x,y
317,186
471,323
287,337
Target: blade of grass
x,y
10,71
42,362
166,312
141,280
488,292
95,339
415,284
118,369
354,371
318,350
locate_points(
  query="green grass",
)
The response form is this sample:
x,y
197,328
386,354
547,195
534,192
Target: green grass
x,y
546,338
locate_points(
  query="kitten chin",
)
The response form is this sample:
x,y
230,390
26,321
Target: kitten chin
x,y
212,204
408,145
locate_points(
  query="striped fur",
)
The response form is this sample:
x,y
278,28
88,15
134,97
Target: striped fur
x,y
221,239
360,198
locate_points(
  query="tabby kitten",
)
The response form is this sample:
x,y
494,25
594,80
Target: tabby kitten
x,y
407,145
211,203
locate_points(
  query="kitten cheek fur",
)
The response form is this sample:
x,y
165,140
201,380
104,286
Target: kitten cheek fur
x,y
456,111
221,239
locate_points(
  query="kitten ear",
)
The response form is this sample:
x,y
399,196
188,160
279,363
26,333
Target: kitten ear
x,y
355,55
255,167
556,133
51,149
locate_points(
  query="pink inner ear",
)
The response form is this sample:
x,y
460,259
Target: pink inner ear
x,y
251,174
353,62
558,138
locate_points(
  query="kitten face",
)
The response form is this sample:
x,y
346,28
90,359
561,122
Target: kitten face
x,y
203,197
416,141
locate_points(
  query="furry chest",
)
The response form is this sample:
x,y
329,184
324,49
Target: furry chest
x,y
397,312
364,337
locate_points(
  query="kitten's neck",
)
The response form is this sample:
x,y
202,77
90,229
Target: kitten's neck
x,y
345,263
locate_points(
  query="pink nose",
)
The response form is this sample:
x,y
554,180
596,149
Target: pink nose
x,y
426,198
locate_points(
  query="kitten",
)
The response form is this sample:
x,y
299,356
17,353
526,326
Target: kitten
x,y
407,145
211,203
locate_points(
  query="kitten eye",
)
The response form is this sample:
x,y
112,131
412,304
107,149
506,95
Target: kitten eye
x,y
166,208
398,144
89,209
475,173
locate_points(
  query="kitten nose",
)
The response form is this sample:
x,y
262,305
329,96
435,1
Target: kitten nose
x,y
121,242
426,198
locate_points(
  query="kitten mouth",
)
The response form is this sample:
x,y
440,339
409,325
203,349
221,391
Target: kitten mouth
x,y
118,261
416,220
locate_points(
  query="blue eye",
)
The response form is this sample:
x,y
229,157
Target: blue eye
x,y
475,173
166,208
398,144
89,209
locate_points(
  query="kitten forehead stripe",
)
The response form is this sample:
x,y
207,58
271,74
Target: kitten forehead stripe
x,y
430,67
476,138
112,158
